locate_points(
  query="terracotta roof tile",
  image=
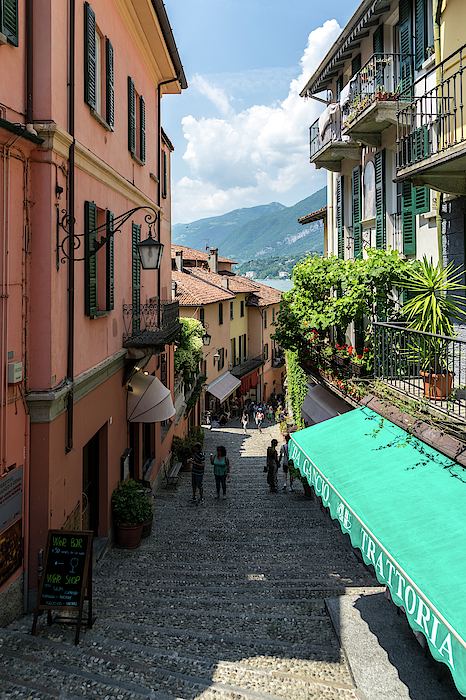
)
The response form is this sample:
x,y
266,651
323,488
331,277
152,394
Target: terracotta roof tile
x,y
192,254
193,289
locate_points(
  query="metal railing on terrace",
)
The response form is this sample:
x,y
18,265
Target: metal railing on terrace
x,y
426,366
150,322
435,118
326,129
378,80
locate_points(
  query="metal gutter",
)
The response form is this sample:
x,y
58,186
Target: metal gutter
x,y
20,130
162,16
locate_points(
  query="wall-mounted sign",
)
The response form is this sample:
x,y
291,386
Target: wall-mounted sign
x,y
11,551
11,497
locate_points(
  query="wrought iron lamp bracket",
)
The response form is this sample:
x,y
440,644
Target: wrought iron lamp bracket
x,y
72,241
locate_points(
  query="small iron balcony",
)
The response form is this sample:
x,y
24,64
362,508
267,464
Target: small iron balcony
x,y
149,327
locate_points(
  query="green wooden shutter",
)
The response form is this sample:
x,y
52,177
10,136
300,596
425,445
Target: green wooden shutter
x,y
378,40
89,56
136,277
164,187
421,143
408,218
110,262
406,45
131,116
356,199
420,32
9,20
110,117
421,200
90,259
339,87
356,64
380,224
340,217
142,127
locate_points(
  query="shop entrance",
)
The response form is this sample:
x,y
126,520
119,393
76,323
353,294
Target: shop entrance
x,y
90,498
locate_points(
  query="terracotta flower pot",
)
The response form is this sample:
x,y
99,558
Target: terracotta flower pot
x,y
437,386
147,528
129,536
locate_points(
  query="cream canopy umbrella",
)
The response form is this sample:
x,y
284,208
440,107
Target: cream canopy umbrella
x,y
149,401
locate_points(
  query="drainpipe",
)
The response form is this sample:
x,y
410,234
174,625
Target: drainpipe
x,y
29,63
71,211
437,12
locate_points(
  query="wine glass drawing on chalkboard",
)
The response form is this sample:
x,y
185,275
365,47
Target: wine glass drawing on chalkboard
x,y
74,563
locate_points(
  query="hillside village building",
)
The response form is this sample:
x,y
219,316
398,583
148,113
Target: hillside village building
x,y
83,157
242,360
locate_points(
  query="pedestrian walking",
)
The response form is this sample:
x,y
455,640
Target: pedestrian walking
x,y
284,460
245,421
221,470
259,419
270,412
197,462
272,466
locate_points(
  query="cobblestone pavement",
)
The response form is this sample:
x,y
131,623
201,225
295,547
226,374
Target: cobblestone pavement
x,y
224,601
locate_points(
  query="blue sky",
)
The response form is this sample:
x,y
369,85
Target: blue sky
x,y
240,130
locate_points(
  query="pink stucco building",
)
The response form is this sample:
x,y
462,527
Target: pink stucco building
x,y
80,144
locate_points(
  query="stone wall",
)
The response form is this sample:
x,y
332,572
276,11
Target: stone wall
x,y
11,602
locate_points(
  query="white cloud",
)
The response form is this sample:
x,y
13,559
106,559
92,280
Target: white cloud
x,y
254,156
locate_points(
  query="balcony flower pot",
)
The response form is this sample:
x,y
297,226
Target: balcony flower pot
x,y
437,386
341,361
358,370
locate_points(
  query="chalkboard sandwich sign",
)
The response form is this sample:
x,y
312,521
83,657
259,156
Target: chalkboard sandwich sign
x,y
66,580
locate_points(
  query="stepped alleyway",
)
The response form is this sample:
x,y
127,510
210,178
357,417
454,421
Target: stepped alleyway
x,y
223,601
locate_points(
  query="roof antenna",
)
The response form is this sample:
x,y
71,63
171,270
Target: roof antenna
x,y
207,243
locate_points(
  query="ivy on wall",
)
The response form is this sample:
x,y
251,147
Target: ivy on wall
x,y
297,386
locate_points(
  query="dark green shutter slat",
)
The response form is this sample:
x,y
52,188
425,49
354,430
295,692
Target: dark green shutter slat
x,y
89,56
406,44
339,87
409,219
131,116
142,107
421,143
110,117
356,64
378,40
110,263
340,217
356,199
421,32
380,224
136,276
165,187
421,199
90,259
9,23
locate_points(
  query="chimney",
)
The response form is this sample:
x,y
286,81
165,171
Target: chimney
x,y
225,283
213,260
179,260
174,290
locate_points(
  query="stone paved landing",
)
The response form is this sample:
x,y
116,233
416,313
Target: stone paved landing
x,y
224,601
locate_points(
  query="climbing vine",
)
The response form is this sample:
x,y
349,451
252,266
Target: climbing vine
x,y
297,386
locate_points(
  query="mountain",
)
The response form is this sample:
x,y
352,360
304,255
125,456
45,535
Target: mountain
x,y
213,231
270,230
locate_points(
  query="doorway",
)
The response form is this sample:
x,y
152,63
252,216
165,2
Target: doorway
x,y
90,498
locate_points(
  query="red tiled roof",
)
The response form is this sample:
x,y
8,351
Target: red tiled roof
x,y
264,296
193,289
192,254
314,216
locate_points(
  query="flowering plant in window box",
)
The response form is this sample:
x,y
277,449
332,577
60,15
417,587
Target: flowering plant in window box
x,y
361,364
343,353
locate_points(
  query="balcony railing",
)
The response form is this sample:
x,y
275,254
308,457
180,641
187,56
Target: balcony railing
x,y
434,120
247,365
428,367
326,129
154,323
378,80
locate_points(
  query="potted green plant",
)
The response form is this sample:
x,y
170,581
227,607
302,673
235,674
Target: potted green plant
x,y
131,509
343,353
434,304
362,363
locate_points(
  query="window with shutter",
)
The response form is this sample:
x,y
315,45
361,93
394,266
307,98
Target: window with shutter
x,y
109,248
110,112
90,76
131,116
421,144
340,217
380,223
356,64
136,277
220,314
136,123
9,20
165,178
421,198
356,200
421,33
377,40
142,129
339,87
406,45
90,259
409,219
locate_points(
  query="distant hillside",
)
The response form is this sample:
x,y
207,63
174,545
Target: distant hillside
x,y
271,230
270,268
217,228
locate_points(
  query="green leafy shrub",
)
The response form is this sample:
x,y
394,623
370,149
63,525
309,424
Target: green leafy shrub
x,y
130,504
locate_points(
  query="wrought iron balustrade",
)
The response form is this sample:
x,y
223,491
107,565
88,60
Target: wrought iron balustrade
x,y
152,323
325,130
426,366
434,120
378,80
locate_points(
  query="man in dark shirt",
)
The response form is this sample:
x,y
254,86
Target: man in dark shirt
x,y
197,473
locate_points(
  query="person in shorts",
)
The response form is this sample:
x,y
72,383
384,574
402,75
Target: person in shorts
x,y
197,462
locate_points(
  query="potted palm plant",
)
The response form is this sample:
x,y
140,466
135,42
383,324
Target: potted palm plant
x,y
131,509
433,305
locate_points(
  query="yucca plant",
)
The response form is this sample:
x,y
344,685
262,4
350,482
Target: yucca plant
x,y
433,305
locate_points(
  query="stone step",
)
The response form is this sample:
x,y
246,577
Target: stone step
x,y
139,670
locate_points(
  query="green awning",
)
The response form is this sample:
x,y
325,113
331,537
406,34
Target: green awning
x,y
403,505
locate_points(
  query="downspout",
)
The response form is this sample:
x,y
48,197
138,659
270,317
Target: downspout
x,y
29,63
437,12
71,211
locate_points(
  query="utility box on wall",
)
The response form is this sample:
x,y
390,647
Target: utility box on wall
x,y
15,372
